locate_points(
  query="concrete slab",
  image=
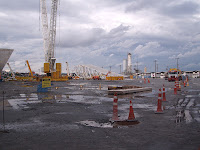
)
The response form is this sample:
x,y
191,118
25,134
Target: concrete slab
x,y
128,91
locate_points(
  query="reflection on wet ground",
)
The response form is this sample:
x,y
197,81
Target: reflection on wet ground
x,y
187,110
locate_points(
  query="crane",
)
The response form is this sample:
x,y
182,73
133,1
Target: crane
x,y
13,75
49,34
29,67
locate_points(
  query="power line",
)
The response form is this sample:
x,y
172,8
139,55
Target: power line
x,y
177,64
155,67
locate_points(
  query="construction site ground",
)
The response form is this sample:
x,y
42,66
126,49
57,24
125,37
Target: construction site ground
x,y
75,115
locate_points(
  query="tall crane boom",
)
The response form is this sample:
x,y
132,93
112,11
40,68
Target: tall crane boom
x,y
45,30
29,67
13,75
49,36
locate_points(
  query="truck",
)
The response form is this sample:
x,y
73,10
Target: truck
x,y
174,74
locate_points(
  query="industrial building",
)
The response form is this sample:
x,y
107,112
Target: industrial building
x,y
127,65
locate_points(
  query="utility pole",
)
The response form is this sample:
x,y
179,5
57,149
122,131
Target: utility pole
x,y
155,67
120,68
110,68
177,66
137,63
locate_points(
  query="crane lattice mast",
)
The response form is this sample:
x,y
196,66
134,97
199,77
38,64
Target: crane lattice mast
x,y
45,30
49,36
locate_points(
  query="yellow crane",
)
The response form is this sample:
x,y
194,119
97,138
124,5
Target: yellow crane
x,y
31,73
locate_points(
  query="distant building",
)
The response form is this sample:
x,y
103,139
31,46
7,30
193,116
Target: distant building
x,y
124,65
127,65
195,74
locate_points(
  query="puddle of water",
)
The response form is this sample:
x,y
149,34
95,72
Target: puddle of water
x,y
188,117
193,90
63,113
49,98
185,102
138,106
148,94
197,119
189,96
21,103
95,124
32,95
180,101
37,125
71,88
74,93
22,95
191,103
75,84
84,99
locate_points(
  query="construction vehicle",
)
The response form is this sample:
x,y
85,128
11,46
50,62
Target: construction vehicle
x,y
30,71
49,37
31,76
96,78
174,74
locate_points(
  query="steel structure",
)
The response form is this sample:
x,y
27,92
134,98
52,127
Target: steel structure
x,y
4,56
88,71
13,75
49,34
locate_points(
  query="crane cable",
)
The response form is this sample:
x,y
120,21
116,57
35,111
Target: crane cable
x,y
58,45
39,15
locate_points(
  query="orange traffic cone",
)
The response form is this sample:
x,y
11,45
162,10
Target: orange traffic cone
x,y
175,89
184,84
148,80
115,109
159,106
144,81
164,97
177,84
131,113
187,83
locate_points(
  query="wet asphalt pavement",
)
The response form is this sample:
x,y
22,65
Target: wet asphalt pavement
x,y
75,115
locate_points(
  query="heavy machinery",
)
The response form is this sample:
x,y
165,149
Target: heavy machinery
x,y
49,34
49,38
12,78
30,71
174,74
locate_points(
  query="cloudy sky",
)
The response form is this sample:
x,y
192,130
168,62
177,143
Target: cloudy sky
x,y
102,32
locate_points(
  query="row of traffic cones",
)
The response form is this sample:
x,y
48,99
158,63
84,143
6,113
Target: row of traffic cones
x,y
161,98
177,86
131,116
147,80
